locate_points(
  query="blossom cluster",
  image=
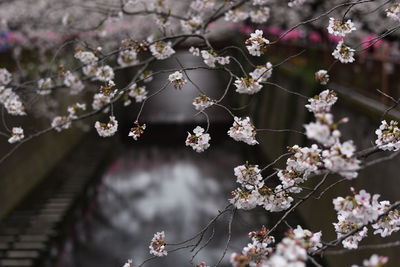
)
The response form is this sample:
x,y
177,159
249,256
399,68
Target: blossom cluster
x,y
107,129
157,245
253,191
17,134
5,77
290,251
247,86
357,211
162,50
257,44
73,82
191,25
262,73
202,102
129,263
73,109
296,3
374,261
104,97
343,53
11,101
202,264
243,130
304,162
137,130
44,86
210,58
127,57
322,77
393,11
337,157
199,141
139,93
177,79
388,136
340,28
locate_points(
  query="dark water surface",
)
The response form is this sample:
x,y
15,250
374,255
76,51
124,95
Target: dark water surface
x,y
160,188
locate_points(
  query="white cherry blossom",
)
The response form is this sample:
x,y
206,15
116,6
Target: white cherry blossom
x,y
107,129
243,130
162,50
199,141
343,53
17,134
157,245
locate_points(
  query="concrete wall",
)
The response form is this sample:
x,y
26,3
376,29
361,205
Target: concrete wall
x,y
30,164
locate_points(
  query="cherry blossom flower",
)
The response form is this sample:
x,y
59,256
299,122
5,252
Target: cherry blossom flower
x,y
73,82
210,58
374,261
194,51
11,102
260,15
60,123
74,108
127,57
157,245
262,73
104,73
290,251
256,252
260,2
5,77
44,86
243,130
129,263
100,100
243,199
354,212
322,103
191,25
177,79
146,76
296,3
340,159
90,70
388,224
343,53
388,136
340,28
202,102
17,134
202,264
236,15
107,129
199,141
322,77
162,50
86,57
393,12
321,132
307,239
137,130
304,162
257,44
248,175
247,86
138,92
202,5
